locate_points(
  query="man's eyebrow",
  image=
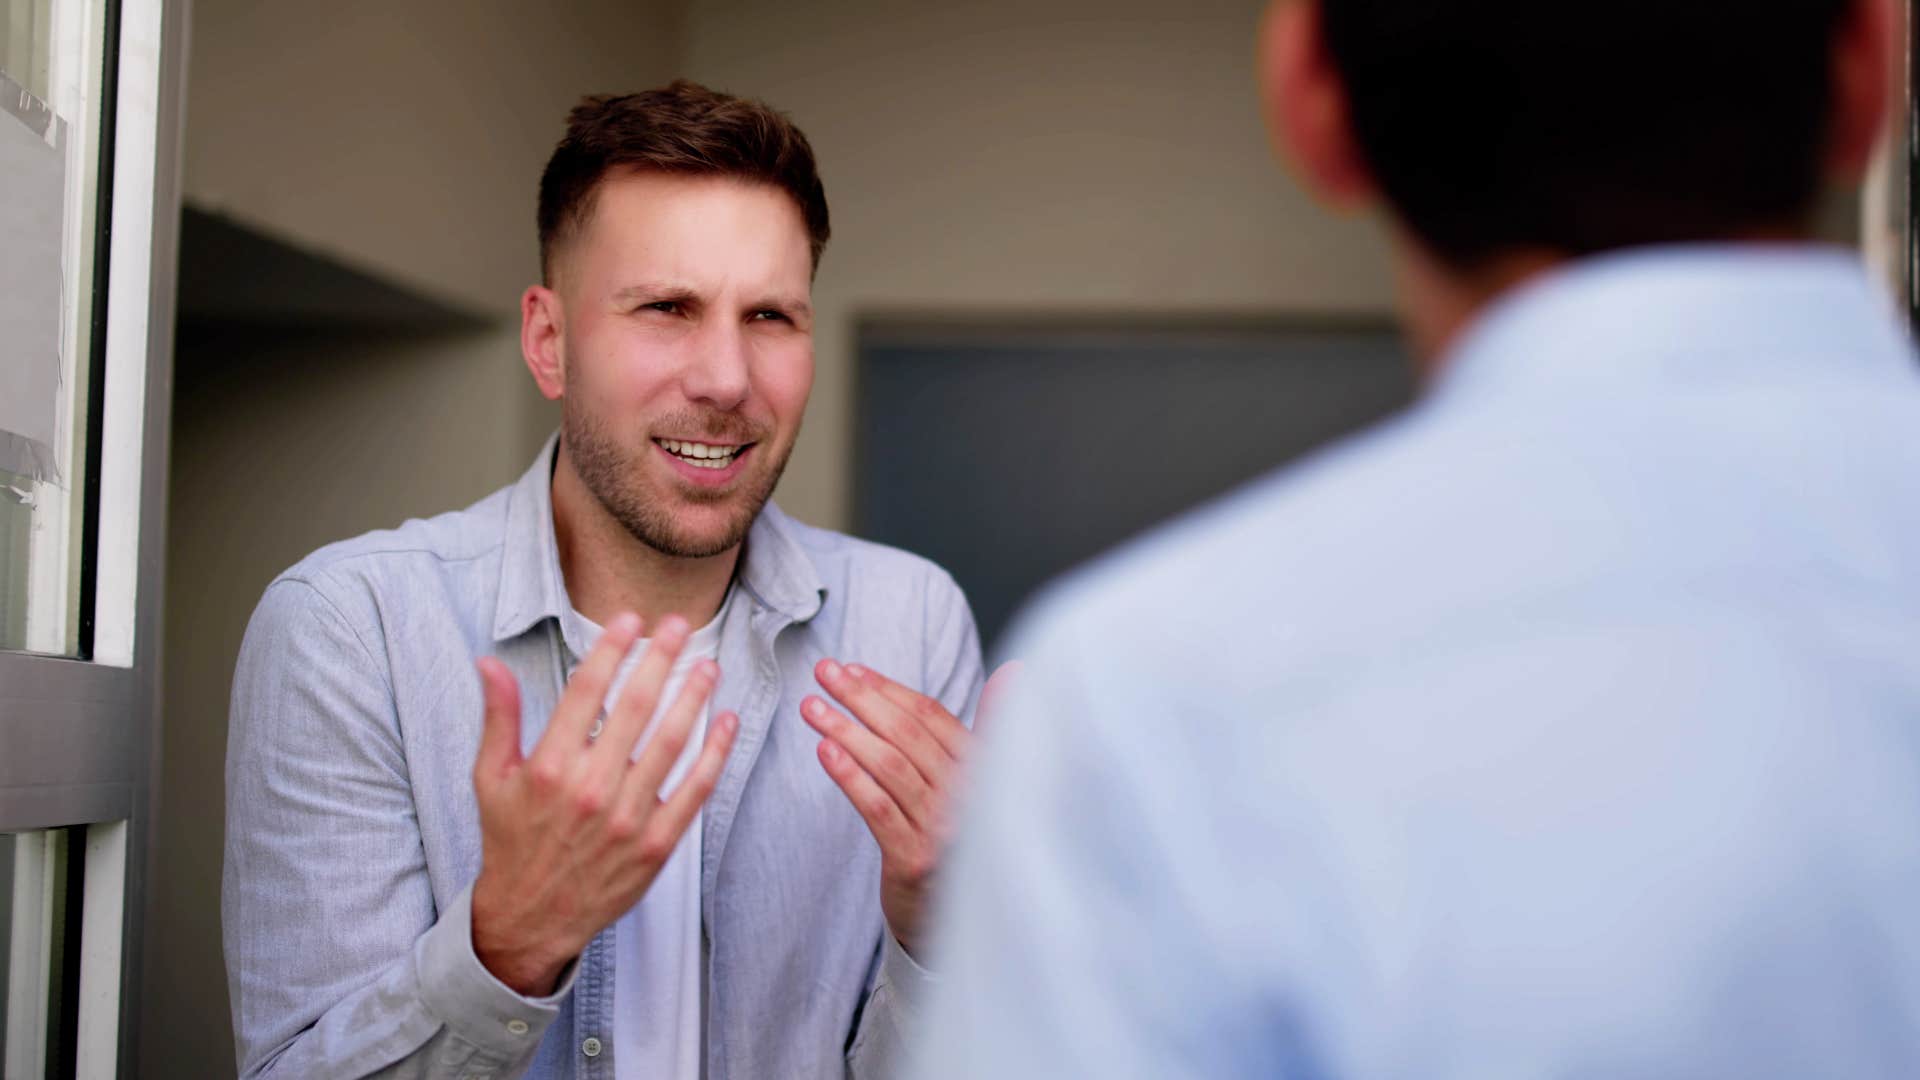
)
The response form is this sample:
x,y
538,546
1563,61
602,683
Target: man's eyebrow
x,y
796,305
656,290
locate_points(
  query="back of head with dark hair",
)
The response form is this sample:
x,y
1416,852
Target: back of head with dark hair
x,y
1499,125
682,128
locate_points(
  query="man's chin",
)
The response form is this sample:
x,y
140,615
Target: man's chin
x,y
699,530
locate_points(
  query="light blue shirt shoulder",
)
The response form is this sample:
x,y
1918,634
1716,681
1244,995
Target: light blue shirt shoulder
x,y
1560,726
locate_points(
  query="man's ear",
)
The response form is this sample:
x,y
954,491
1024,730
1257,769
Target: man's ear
x,y
1865,66
1306,105
541,332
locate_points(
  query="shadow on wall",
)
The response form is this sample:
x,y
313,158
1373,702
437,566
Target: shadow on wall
x,y
311,403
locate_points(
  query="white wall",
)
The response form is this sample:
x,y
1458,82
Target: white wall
x,y
1014,156
405,138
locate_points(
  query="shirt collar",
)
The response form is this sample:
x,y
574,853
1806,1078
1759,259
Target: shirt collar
x,y
775,569
1684,313
531,588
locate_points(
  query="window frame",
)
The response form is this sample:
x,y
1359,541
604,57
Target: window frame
x,y
82,734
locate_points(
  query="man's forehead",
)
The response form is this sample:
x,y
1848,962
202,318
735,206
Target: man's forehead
x,y
698,203
696,233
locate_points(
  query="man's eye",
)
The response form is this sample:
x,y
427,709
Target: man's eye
x,y
670,307
770,314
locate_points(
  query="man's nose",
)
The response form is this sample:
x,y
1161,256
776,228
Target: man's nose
x,y
717,372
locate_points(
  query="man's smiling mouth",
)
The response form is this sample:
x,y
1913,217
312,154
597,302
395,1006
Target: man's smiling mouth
x,y
703,455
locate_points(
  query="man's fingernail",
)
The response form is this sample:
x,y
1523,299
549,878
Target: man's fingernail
x,y
856,671
625,623
812,707
833,670
673,624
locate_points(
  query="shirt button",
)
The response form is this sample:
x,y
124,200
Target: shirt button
x,y
591,1047
518,1027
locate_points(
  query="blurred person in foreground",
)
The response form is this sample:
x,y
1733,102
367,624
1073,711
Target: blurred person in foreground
x,y
1567,725
533,871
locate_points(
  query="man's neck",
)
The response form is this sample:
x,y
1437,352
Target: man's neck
x,y
608,571
1440,302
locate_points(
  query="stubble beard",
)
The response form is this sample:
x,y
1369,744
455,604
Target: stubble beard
x,y
612,474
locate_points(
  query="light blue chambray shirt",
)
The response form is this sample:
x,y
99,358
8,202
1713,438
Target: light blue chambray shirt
x,y
353,839
1567,725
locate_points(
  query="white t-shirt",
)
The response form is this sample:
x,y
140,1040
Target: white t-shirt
x,y
658,1003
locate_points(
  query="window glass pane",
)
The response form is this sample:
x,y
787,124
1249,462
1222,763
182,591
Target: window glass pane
x,y
39,939
50,97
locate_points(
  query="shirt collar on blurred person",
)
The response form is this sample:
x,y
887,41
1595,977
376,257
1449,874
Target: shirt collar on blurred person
x,y
1627,317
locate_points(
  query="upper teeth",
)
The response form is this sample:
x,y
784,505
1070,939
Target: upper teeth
x,y
706,454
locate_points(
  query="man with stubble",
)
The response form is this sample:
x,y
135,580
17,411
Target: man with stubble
x,y
636,844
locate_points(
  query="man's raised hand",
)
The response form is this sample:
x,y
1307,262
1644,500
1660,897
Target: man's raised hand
x,y
572,834
900,768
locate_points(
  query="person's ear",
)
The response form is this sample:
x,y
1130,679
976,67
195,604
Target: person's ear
x,y
542,343
1865,65
1306,105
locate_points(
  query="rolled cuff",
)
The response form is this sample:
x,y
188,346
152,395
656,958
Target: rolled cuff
x,y
466,997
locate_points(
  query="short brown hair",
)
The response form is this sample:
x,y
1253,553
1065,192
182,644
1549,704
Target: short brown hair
x,y
682,128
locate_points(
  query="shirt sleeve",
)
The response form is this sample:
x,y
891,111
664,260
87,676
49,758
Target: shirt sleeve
x,y
900,984
955,672
338,961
